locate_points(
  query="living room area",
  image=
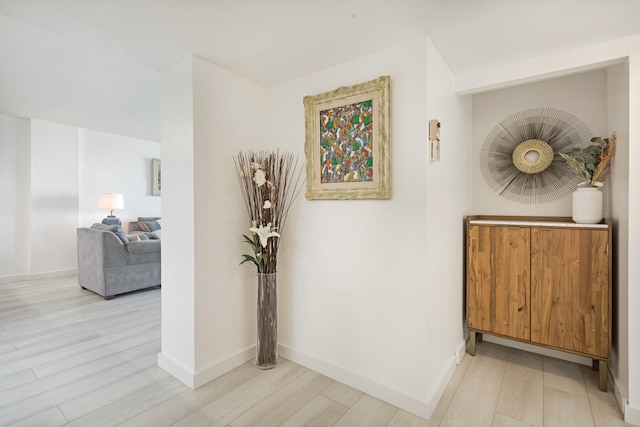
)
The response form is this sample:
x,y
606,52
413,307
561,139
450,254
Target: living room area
x,y
54,176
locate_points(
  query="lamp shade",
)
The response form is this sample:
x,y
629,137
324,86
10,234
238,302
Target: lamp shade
x,y
111,201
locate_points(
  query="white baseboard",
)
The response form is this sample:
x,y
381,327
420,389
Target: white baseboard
x,y
215,369
17,278
617,392
445,377
411,404
460,351
209,373
47,275
177,369
632,414
384,392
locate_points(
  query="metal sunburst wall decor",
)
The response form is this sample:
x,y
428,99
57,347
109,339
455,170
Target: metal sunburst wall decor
x,y
519,158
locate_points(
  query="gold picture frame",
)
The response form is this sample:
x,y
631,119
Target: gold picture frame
x,y
347,142
156,187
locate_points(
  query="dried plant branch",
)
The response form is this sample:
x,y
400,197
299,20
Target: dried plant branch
x,y
270,182
602,170
592,163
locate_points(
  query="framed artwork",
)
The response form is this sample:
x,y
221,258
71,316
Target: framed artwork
x,y
347,142
155,180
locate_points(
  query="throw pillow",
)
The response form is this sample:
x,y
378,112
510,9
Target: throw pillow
x,y
143,226
119,231
115,229
152,225
137,237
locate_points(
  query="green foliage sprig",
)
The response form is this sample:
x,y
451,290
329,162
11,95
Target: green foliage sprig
x,y
258,258
592,163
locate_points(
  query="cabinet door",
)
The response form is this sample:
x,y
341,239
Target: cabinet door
x,y
498,291
570,290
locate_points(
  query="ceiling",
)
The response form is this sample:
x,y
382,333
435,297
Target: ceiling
x,y
271,41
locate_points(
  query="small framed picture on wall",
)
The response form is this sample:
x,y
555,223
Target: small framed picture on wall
x,y
156,178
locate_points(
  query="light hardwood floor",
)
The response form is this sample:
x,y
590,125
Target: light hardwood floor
x,y
68,357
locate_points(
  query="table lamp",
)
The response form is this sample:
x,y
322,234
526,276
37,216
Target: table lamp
x,y
111,201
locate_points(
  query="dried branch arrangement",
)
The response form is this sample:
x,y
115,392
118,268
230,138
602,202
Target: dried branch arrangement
x,y
592,163
270,182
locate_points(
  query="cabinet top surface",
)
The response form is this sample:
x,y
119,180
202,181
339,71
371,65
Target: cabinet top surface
x,y
535,223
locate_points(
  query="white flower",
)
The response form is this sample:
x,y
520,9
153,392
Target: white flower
x,y
256,165
267,205
264,232
259,177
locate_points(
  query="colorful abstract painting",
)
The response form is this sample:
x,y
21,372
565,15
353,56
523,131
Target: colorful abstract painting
x,y
346,143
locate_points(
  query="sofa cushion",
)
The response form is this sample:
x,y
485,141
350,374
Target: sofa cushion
x,y
144,246
149,226
115,229
137,236
143,251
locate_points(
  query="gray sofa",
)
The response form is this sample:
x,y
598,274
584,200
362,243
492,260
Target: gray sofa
x,y
109,264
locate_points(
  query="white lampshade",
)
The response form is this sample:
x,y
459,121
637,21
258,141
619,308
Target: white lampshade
x,y
111,201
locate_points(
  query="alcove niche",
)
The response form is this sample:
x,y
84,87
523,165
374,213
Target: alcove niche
x,y
600,98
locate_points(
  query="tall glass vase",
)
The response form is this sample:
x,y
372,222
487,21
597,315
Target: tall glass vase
x,y
267,316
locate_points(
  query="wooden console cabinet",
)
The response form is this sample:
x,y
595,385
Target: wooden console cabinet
x,y
541,280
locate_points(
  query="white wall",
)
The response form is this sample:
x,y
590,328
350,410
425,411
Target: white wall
x,y
618,119
583,95
178,218
448,202
208,304
632,413
111,163
229,115
370,291
54,196
356,278
15,194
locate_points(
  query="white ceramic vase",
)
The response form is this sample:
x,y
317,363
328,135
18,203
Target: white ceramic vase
x,y
587,205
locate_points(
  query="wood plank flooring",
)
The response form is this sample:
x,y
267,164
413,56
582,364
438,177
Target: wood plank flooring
x,y
68,357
